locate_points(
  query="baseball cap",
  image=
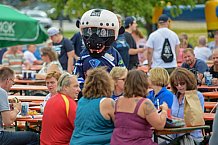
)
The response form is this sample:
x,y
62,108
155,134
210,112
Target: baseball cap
x,y
163,18
129,20
53,31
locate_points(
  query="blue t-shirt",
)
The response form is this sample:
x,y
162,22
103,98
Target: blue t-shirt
x,y
123,48
90,126
164,96
78,43
62,49
200,66
110,59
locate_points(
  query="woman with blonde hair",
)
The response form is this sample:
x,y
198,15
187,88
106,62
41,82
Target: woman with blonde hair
x,y
118,74
158,80
95,111
135,115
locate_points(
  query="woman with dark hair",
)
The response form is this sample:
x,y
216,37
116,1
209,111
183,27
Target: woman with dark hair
x,y
135,115
95,112
50,64
182,80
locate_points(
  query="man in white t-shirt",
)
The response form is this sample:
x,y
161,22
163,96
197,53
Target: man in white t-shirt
x,y
29,56
202,51
155,44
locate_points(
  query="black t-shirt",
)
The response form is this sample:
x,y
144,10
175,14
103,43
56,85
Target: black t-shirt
x,y
78,44
62,48
214,74
133,59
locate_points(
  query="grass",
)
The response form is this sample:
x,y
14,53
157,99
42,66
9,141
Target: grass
x,y
192,29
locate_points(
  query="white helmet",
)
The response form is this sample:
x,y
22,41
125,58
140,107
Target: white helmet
x,y
100,18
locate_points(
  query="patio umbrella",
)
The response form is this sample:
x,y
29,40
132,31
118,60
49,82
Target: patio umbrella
x,y
17,28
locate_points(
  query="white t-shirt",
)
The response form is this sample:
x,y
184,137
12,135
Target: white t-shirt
x,y
156,41
202,53
29,56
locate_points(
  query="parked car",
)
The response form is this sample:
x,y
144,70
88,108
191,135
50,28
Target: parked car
x,y
39,15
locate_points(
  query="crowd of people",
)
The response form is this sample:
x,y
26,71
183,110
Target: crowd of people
x,y
118,104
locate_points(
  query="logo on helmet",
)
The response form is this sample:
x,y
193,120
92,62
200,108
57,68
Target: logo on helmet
x,y
96,13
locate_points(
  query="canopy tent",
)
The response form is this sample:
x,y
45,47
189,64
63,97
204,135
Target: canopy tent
x,y
18,29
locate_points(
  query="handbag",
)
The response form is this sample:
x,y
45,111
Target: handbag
x,y
174,123
193,112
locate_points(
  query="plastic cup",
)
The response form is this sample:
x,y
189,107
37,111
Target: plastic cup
x,y
24,108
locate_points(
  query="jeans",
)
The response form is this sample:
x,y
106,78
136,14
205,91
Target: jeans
x,y
19,138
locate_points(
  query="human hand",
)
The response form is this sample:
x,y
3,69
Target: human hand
x,y
17,105
164,106
140,50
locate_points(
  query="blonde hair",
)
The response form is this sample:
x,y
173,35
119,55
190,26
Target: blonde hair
x,y
117,72
159,76
98,83
64,80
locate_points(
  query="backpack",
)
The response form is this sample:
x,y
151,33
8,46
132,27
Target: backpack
x,y
166,53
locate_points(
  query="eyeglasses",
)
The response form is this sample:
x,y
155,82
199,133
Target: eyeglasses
x,y
180,83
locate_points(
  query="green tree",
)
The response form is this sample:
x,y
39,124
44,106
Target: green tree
x,y
139,8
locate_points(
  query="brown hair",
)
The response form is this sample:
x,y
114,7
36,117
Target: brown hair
x,y
188,50
98,83
54,74
136,84
159,76
5,73
50,52
182,75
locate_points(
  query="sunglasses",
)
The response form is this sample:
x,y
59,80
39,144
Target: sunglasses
x,y
180,83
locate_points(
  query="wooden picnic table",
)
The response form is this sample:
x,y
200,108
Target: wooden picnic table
x,y
37,108
212,87
210,95
28,88
34,67
209,116
27,98
210,105
21,81
168,131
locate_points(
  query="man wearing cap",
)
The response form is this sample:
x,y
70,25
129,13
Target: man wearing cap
x,y
63,47
155,46
131,25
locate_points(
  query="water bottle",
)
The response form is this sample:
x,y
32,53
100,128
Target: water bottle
x,y
208,78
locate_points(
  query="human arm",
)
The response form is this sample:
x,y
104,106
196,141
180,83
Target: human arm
x,y
8,117
149,57
133,51
70,55
177,53
214,137
156,120
107,108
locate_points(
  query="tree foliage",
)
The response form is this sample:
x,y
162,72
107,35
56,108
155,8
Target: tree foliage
x,y
139,8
